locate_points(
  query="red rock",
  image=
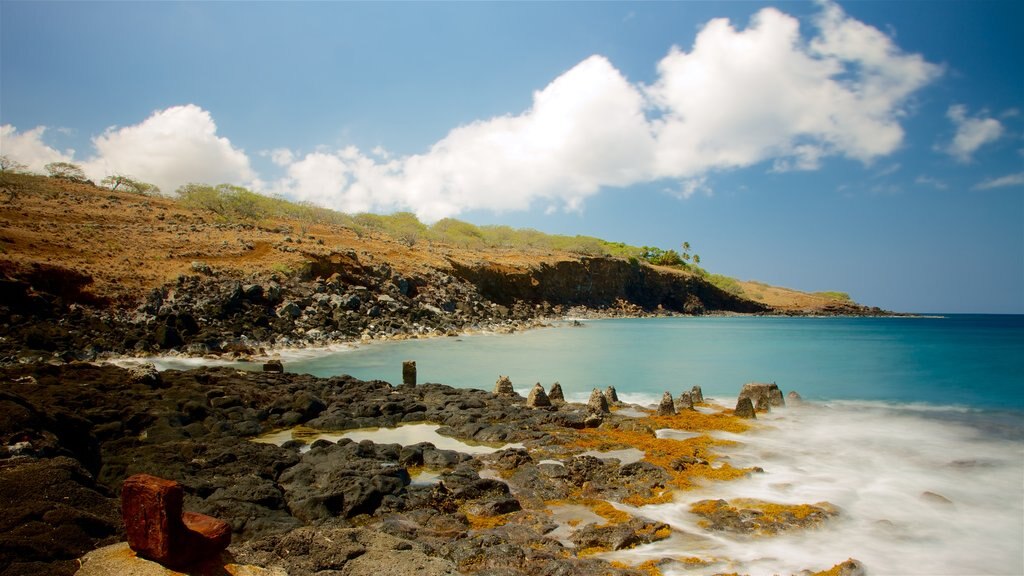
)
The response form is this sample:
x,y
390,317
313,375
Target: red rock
x,y
158,529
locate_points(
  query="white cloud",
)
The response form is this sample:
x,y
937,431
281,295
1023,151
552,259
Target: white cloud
x,y
971,132
280,156
170,148
737,98
1001,182
29,149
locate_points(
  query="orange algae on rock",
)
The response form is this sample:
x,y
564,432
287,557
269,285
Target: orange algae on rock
x,y
477,522
749,516
694,421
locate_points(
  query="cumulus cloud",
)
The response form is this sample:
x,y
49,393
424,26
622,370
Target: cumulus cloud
x,y
29,149
971,132
1001,182
170,148
736,98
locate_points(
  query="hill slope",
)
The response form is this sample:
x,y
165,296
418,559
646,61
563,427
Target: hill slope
x,y
126,258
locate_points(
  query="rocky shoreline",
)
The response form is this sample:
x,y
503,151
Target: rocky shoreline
x,y
48,316
71,433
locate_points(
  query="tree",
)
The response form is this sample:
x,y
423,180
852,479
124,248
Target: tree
x,y
66,171
8,164
128,184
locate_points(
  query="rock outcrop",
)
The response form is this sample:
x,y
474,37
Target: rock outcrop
x,y
667,406
537,397
763,395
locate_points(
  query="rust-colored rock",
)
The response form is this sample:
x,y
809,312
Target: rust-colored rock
x,y
159,530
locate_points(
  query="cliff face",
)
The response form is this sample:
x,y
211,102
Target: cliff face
x,y
600,282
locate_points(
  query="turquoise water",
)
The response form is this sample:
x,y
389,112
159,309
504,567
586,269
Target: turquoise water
x,y
963,360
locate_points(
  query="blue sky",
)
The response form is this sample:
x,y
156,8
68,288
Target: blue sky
x,y
871,147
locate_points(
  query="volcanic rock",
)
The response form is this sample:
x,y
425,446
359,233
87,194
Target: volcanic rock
x,y
538,398
667,405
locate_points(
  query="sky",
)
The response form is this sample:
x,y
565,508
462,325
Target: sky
x,y
875,148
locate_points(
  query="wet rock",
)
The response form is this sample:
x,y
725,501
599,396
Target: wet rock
x,y
611,395
537,397
555,393
794,397
744,408
684,402
763,394
629,534
409,373
697,394
146,374
597,404
273,366
503,387
667,406
849,568
748,516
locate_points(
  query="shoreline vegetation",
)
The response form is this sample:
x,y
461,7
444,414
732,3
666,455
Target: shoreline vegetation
x,y
91,274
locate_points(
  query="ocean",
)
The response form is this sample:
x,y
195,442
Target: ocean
x,y
913,427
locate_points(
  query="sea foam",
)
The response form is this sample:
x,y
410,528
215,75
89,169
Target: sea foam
x,y
919,493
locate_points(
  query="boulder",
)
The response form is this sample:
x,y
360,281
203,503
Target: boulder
x,y
611,395
763,395
555,394
597,404
697,394
667,406
159,530
684,401
274,365
745,408
503,387
538,398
